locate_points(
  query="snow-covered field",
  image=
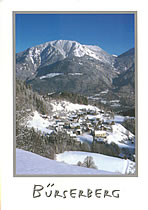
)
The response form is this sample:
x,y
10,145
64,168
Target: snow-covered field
x,y
70,107
119,118
85,138
28,163
75,74
51,75
103,162
120,136
38,123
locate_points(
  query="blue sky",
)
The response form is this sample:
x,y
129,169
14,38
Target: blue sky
x,y
112,32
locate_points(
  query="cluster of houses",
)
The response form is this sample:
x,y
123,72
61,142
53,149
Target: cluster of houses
x,y
83,121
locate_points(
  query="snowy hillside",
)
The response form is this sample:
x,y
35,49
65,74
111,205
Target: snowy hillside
x,y
38,60
62,49
84,129
119,135
39,123
103,162
28,163
65,65
101,54
66,106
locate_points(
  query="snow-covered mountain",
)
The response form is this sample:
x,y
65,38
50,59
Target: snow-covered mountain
x,y
125,61
68,66
51,52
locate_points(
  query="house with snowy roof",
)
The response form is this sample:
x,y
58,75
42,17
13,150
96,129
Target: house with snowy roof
x,y
74,125
100,133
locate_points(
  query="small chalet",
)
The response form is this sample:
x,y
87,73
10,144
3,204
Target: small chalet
x,y
75,125
100,133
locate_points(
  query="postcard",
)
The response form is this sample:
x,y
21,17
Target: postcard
x,y
74,93
73,105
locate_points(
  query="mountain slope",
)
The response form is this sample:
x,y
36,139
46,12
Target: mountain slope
x,y
68,66
83,75
31,59
28,163
125,82
126,78
103,162
125,61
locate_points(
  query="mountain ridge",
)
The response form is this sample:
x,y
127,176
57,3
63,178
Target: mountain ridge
x,y
63,65
51,52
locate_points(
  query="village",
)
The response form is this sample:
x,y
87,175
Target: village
x,y
96,124
81,121
99,130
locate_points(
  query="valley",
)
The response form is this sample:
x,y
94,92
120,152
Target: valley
x,y
74,104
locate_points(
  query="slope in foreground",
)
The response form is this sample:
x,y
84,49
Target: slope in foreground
x,y
28,163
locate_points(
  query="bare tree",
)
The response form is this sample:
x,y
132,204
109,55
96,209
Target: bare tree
x,y
88,163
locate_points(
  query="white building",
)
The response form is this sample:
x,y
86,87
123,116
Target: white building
x,y
99,133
